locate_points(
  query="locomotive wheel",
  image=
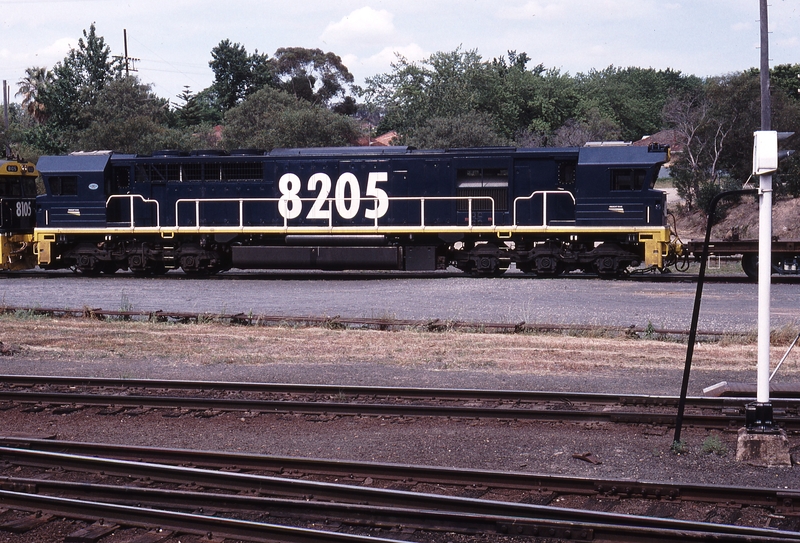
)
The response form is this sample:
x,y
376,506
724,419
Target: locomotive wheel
x,y
88,265
607,267
142,267
490,266
549,266
192,264
750,265
136,263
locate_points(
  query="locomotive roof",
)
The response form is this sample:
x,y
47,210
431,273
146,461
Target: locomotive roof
x,y
622,154
74,163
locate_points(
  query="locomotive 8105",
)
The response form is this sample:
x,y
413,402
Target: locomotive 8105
x,y
392,208
17,214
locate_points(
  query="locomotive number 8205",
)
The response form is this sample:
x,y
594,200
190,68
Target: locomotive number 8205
x,y
347,196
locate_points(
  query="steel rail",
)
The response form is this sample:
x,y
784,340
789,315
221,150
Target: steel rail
x,y
384,410
278,508
360,391
383,497
355,322
418,519
183,522
783,500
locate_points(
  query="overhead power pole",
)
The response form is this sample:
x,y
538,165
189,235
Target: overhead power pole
x,y
130,62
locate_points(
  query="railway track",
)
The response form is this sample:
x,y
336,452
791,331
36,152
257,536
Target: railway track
x,y
383,323
64,395
782,501
354,507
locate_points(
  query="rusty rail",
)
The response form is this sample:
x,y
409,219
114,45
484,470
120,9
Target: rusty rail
x,y
337,321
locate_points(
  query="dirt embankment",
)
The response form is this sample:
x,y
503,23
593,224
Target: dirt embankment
x,y
741,221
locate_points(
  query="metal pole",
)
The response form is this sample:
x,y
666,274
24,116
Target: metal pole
x,y
5,114
766,104
125,41
687,368
764,284
759,416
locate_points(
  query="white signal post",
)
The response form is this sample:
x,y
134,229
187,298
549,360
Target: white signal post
x,y
765,161
761,442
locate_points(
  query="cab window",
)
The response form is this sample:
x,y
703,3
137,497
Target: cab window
x,y
628,179
64,185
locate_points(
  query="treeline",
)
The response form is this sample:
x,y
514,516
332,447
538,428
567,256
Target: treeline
x,y
306,97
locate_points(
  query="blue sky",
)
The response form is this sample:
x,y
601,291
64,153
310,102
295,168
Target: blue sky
x,y
174,38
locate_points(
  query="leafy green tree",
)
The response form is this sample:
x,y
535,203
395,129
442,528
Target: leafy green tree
x,y
196,109
78,80
786,78
632,97
472,129
529,104
593,126
716,124
741,93
125,117
272,118
237,74
313,75
523,105
785,83
443,85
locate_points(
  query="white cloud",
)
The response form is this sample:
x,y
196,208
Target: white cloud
x,y
410,52
788,43
593,10
544,12
364,26
381,62
58,49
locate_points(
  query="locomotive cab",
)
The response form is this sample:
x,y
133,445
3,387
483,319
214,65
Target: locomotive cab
x,y
75,189
17,214
615,186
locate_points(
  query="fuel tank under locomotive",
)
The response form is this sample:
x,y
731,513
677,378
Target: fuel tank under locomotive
x,y
337,253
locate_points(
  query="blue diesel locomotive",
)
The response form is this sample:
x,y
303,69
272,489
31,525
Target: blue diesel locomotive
x,y
390,208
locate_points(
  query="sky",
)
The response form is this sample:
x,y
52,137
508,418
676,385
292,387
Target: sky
x,y
173,38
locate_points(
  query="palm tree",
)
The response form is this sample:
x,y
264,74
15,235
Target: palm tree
x,y
30,88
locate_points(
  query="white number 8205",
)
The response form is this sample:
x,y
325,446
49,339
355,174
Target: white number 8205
x,y
290,206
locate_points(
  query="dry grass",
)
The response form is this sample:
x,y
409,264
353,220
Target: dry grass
x,y
212,343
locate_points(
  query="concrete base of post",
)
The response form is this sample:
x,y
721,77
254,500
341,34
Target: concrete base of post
x,y
764,450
